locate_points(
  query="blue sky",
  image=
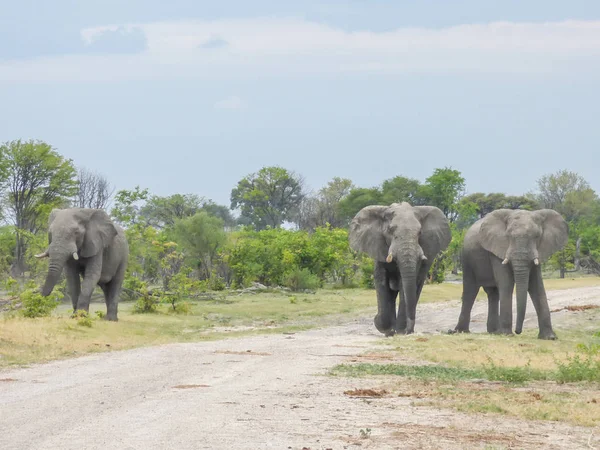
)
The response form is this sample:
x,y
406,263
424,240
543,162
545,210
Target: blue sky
x,y
190,96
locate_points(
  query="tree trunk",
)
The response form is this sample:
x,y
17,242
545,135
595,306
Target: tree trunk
x,y
577,257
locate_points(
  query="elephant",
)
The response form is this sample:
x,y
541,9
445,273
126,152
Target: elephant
x,y
403,240
504,249
86,243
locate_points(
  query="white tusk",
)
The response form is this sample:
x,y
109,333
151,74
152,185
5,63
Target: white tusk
x,y
75,256
42,255
389,258
505,261
424,258
536,261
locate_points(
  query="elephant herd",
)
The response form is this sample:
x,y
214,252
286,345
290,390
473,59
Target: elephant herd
x,y
500,251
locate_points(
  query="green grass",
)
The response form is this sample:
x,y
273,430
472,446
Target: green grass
x,y
25,341
441,373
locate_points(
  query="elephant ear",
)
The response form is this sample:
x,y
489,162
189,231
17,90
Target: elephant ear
x,y
494,237
99,233
435,230
52,216
555,232
366,232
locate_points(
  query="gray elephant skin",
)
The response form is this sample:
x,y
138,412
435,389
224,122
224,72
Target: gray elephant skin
x,y
503,250
403,240
87,244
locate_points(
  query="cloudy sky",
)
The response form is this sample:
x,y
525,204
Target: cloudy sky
x,y
189,96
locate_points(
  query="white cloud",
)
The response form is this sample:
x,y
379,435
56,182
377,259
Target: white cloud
x,y
232,102
275,47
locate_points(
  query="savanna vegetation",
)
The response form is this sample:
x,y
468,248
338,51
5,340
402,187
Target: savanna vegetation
x,y
277,256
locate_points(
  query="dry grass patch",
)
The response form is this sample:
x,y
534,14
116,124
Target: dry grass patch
x,y
542,401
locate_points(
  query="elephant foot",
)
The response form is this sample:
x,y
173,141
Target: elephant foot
x,y
547,335
386,327
111,318
459,329
401,331
410,326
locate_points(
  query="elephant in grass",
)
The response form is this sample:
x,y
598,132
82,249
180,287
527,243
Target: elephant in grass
x,y
86,242
403,240
505,249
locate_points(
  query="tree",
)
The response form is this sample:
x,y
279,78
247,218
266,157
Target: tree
x,y
402,189
444,189
553,189
269,197
163,212
127,209
357,199
571,195
201,236
38,180
220,211
324,208
486,203
93,190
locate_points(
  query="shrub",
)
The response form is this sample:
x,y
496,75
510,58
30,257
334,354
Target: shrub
x,y
367,269
216,283
35,304
584,367
83,319
300,279
132,287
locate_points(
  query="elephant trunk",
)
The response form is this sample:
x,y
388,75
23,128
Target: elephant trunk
x,y
55,268
408,273
521,273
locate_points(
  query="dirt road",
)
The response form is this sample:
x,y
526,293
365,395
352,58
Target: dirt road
x,y
263,392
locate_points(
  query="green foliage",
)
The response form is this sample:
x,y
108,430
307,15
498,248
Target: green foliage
x,y
100,314
437,271
402,189
301,279
581,367
147,301
83,319
127,208
444,189
440,373
269,197
36,179
181,288
367,268
36,305
271,256
357,199
201,237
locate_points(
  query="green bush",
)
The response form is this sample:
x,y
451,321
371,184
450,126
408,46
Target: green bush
x,y
301,279
83,319
35,304
584,367
216,283
132,287
367,269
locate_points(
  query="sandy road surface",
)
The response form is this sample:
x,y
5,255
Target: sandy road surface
x,y
253,393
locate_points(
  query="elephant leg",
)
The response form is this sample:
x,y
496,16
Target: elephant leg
x,y
506,285
401,319
385,320
91,278
112,294
469,294
537,292
493,309
73,284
